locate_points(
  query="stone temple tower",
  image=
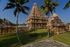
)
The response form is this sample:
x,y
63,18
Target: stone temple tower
x,y
36,19
56,24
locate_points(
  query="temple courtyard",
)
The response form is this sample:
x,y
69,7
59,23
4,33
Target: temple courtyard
x,y
38,31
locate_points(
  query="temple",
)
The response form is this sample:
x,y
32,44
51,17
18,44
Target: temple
x,y
56,24
36,19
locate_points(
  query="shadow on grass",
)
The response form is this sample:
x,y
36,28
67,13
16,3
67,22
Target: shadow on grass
x,y
31,37
33,29
52,34
24,37
9,42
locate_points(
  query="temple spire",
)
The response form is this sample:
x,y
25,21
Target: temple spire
x,y
35,11
35,3
36,19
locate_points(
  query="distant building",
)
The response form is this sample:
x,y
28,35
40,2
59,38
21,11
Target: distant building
x,y
36,19
6,23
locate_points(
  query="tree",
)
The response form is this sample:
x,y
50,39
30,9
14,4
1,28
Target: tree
x,y
47,8
67,5
18,6
1,20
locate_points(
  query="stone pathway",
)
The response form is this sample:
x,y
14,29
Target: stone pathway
x,y
47,43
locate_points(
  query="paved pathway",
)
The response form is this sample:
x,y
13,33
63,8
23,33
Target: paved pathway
x,y
47,43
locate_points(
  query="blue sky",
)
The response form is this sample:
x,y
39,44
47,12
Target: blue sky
x,y
8,14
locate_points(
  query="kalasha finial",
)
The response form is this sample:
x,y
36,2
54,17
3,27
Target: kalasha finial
x,y
35,3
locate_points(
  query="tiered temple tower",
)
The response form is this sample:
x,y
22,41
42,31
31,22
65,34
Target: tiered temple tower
x,y
56,24
55,20
36,19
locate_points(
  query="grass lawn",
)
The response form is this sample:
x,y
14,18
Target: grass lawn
x,y
10,40
64,38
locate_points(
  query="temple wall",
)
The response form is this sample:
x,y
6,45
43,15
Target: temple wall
x,y
69,27
58,30
6,30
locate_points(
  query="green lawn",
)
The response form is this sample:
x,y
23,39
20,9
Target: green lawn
x,y
64,38
10,40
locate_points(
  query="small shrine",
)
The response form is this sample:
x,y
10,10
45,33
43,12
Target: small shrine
x,y
56,24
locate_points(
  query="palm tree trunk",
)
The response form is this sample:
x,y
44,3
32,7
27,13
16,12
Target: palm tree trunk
x,y
17,33
48,26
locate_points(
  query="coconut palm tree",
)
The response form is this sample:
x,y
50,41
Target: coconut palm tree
x,y
18,6
67,5
47,8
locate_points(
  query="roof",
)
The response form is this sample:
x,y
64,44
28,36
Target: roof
x,y
55,20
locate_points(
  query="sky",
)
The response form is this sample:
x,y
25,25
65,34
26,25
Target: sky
x,y
8,14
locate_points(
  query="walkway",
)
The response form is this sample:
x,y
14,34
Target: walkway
x,y
47,43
